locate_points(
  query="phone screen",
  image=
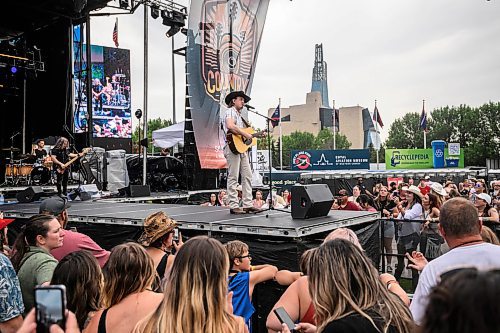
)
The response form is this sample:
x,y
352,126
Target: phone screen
x,y
50,303
176,234
284,318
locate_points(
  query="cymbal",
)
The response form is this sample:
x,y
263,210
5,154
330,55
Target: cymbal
x,y
24,156
9,149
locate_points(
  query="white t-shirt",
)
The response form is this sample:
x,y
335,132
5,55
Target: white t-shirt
x,y
482,256
232,113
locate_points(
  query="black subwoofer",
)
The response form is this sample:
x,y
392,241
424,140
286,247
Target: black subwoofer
x,y
309,201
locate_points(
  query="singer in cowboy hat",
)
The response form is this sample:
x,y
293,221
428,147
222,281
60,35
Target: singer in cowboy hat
x,y
237,164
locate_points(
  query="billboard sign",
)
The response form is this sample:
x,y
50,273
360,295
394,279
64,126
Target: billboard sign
x,y
306,160
418,159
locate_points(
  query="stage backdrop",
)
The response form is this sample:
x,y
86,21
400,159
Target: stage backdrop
x,y
223,44
111,113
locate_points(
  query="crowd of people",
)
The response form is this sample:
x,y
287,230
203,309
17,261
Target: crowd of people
x,y
162,284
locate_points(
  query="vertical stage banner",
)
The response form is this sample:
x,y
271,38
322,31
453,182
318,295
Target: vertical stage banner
x,y
223,44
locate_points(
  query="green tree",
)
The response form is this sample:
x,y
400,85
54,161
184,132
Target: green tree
x,y
296,141
373,154
406,133
153,125
324,140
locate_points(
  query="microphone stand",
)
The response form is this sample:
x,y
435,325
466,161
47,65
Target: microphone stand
x,y
270,173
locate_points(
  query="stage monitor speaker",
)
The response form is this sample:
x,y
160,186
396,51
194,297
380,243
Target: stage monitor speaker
x,y
309,201
135,191
32,193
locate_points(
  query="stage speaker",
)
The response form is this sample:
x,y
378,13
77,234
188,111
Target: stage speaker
x,y
311,201
135,191
32,193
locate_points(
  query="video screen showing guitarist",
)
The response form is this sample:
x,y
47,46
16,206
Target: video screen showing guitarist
x,y
237,163
61,155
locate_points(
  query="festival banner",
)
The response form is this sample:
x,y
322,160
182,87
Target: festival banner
x,y
306,160
419,159
223,44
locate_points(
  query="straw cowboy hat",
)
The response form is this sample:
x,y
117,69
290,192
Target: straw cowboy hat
x,y
413,189
234,94
155,226
438,189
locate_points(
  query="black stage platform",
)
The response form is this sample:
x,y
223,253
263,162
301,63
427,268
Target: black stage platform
x,y
207,219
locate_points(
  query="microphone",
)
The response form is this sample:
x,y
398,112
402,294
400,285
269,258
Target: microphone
x,y
249,107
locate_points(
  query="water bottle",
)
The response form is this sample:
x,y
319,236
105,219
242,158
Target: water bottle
x,y
2,199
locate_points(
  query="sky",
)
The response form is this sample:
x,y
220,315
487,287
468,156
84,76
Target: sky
x,y
396,52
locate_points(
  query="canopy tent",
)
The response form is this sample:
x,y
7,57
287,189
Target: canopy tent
x,y
169,136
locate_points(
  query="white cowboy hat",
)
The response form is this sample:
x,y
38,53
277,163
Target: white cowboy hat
x,y
438,189
413,189
485,197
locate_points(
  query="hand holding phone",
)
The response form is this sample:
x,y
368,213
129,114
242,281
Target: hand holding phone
x,y
50,307
284,318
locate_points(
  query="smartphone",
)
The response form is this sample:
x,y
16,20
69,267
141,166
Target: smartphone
x,y
284,318
176,234
50,304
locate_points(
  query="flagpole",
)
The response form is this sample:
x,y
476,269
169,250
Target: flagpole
x,y
376,133
425,132
281,137
334,127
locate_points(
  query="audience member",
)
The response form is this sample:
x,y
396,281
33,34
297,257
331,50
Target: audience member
x,y
348,295
362,187
356,192
11,302
74,241
128,298
409,232
430,239
423,185
258,202
482,202
489,236
438,190
157,238
213,201
343,203
32,259
197,298
366,203
459,225
243,277
81,274
4,243
222,198
466,301
285,194
385,205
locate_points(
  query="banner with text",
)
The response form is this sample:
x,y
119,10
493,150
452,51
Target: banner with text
x,y
419,159
306,160
222,48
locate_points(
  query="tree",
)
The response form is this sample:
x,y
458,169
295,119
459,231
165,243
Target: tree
x,y
373,154
406,133
324,140
153,125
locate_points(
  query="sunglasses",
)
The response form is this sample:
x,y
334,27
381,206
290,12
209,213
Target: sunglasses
x,y
247,256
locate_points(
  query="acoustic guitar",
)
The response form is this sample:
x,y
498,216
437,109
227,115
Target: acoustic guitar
x,y
67,164
239,145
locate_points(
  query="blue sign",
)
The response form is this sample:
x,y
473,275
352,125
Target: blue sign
x,y
304,160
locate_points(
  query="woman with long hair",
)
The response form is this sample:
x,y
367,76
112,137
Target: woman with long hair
x,y
127,296
31,258
430,239
81,274
347,293
409,231
196,299
385,205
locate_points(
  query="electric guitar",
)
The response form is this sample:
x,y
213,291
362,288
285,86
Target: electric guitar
x,y
239,144
62,169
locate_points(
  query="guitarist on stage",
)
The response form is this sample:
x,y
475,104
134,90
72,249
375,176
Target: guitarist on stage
x,y
237,164
60,155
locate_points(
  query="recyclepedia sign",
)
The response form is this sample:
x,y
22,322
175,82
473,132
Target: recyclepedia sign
x,y
418,159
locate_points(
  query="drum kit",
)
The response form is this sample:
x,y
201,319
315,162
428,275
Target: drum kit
x,y
26,169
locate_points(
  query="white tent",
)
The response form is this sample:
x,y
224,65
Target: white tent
x,y
169,136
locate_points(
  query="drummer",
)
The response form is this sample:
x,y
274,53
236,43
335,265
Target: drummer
x,y
39,151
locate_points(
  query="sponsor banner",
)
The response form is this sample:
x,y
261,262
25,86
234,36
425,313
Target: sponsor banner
x,y
419,159
222,48
305,160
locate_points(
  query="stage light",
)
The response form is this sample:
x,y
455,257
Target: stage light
x,y
172,31
138,113
13,70
155,11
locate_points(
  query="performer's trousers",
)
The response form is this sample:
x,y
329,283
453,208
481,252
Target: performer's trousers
x,y
62,181
238,164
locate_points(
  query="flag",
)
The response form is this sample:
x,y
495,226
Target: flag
x,y
423,120
335,117
377,118
115,33
275,118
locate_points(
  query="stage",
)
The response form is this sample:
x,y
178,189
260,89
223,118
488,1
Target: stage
x,y
202,218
